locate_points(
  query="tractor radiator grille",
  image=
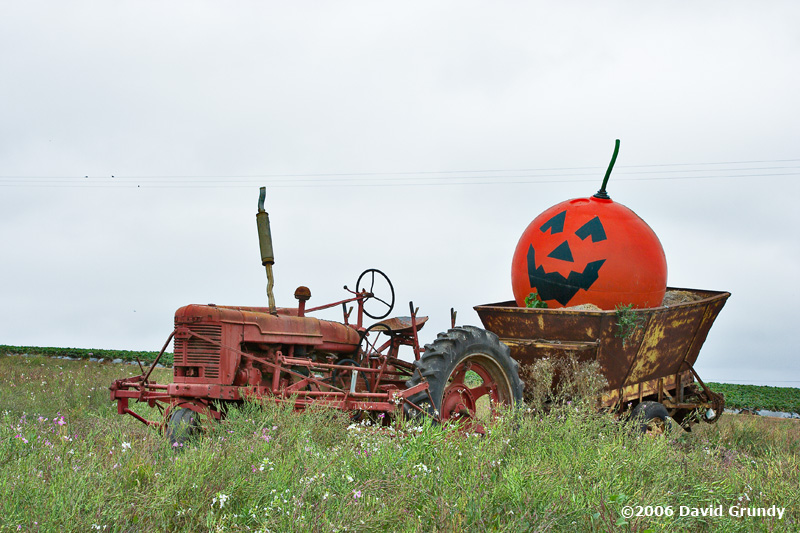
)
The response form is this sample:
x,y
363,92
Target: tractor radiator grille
x,y
197,352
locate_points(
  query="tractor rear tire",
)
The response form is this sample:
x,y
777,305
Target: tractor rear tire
x,y
183,424
445,364
651,417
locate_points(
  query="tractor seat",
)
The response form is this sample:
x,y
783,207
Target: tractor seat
x,y
401,324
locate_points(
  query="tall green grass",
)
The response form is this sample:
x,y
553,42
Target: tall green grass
x,y
68,462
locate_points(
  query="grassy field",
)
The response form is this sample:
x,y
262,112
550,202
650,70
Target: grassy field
x,y
68,462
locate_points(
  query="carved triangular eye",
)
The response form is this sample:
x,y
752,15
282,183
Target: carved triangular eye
x,y
594,228
562,252
555,224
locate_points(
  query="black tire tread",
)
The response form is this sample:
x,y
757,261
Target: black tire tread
x,y
442,355
644,412
183,424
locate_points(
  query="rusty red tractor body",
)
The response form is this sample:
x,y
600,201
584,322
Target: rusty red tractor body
x,y
225,355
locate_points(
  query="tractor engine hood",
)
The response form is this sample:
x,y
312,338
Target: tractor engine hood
x,y
257,325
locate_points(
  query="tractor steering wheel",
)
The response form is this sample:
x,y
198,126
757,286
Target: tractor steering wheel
x,y
372,280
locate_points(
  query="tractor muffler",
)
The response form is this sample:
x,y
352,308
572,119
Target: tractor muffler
x,y
265,243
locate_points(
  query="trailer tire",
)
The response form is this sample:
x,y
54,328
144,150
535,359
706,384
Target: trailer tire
x,y
444,365
183,424
651,417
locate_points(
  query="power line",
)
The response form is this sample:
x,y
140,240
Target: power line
x,y
501,180
424,172
411,178
360,177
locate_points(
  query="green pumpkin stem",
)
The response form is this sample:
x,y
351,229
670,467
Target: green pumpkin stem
x,y
602,192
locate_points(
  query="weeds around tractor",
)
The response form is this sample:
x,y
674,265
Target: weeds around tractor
x,y
555,381
267,468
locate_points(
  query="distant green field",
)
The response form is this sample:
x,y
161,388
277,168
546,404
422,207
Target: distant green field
x,y
785,399
84,353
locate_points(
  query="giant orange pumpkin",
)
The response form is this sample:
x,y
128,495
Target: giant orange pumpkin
x,y
590,250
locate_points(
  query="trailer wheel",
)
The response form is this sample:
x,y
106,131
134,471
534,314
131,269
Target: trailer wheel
x,y
469,371
651,417
183,424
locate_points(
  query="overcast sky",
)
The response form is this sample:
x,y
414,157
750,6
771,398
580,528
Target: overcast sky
x,y
419,138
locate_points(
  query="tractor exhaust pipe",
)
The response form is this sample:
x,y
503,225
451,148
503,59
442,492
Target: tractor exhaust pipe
x,y
265,243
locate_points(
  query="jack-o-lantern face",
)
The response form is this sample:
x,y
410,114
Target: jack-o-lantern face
x,y
554,285
589,250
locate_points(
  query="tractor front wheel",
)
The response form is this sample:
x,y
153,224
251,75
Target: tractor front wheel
x,y
469,372
182,425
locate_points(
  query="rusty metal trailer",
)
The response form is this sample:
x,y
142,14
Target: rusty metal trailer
x,y
654,364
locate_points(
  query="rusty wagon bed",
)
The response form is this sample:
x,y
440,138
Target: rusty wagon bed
x,y
655,362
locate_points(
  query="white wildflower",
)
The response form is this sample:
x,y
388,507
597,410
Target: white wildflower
x,y
221,498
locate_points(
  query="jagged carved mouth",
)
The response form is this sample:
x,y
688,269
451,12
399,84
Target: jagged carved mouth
x,y
554,286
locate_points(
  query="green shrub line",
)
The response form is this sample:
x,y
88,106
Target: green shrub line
x,y
88,353
786,399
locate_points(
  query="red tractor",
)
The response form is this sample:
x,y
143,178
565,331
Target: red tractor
x,y
224,355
